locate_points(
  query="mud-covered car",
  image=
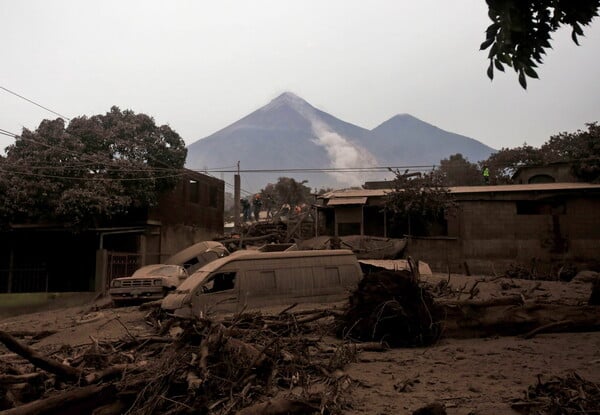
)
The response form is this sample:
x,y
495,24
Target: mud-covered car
x,y
194,257
151,282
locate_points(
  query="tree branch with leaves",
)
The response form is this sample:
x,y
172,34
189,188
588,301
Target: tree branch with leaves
x,y
418,202
94,168
521,31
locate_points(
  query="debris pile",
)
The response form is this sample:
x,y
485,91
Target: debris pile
x,y
364,247
242,365
392,307
569,395
256,233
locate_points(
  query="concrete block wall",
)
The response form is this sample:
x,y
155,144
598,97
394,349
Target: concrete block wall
x,y
583,219
493,235
442,254
178,237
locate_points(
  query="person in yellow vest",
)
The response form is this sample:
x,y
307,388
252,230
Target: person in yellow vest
x,y
486,175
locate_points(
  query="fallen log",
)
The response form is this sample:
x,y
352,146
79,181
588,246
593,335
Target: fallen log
x,y
370,347
13,379
314,317
34,335
116,408
548,328
280,406
464,321
491,302
37,359
74,402
146,340
110,372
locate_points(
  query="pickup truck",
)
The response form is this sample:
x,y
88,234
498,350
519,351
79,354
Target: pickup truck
x,y
151,282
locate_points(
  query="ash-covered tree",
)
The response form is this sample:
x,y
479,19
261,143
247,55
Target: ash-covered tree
x,y
504,163
95,168
458,171
286,191
521,31
581,148
418,204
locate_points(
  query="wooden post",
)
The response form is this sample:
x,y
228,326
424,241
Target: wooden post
x,y
385,223
362,219
11,265
236,198
100,283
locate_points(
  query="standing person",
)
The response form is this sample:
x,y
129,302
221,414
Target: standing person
x,y
269,205
245,209
486,175
256,205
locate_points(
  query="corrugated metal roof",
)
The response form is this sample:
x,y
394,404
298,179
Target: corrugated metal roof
x,y
525,187
355,193
347,201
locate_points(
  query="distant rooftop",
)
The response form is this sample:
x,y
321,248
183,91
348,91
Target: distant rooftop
x,y
353,193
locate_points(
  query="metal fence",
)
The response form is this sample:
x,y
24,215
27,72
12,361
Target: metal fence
x,y
121,264
24,280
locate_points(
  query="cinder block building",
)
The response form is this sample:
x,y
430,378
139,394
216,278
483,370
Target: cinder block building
x,y
541,226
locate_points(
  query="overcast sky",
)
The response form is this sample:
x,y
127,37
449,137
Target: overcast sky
x,y
201,65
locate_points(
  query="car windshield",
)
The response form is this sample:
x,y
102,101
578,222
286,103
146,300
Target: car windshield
x,y
164,271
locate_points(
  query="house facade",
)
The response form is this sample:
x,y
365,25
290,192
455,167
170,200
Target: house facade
x,y
559,172
541,227
52,258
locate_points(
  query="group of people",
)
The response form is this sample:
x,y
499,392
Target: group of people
x,y
254,206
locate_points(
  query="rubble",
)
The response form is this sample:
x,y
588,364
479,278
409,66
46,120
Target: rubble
x,y
571,394
251,364
392,307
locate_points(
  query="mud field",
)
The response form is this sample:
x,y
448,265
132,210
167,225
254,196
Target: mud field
x,y
472,375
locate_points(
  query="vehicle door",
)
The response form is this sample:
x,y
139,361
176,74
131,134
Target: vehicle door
x,y
218,294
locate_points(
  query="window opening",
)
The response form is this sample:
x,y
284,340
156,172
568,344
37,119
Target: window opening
x,y
222,281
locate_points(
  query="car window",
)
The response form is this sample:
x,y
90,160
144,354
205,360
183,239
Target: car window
x,y
221,281
165,271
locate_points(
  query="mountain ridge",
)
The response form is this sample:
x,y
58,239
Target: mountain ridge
x,y
289,133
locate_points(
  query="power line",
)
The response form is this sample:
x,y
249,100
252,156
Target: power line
x,y
8,133
373,169
35,103
91,179
226,183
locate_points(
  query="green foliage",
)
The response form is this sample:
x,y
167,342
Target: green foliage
x,y
521,31
504,163
285,191
458,171
418,202
580,148
95,168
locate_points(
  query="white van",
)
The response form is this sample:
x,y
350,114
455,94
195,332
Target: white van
x,y
249,280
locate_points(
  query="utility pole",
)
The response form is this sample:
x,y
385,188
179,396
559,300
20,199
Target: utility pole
x,y
236,198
